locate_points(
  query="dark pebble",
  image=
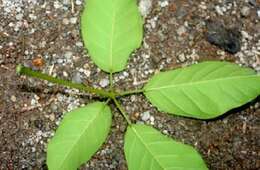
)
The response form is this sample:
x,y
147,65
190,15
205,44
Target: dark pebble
x,y
252,2
225,38
39,124
44,167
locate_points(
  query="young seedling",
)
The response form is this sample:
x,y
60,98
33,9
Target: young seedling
x,y
111,30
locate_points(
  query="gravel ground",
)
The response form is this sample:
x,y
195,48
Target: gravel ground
x,y
45,35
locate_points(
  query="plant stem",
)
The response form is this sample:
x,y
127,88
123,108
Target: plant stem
x,y
36,74
126,93
122,111
108,100
111,81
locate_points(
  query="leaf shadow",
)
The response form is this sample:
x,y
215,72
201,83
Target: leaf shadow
x,y
235,110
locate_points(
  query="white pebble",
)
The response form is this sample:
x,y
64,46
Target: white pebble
x,y
13,98
65,74
33,149
104,82
165,132
73,20
79,44
181,30
11,24
152,119
65,21
145,116
219,10
68,54
57,4
52,117
145,7
78,2
33,102
245,11
258,13
164,4
32,17
19,17
60,61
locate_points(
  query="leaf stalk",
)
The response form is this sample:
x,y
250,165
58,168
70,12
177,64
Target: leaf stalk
x,y
22,70
126,93
111,94
111,81
120,108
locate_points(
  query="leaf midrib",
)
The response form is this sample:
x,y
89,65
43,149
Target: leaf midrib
x,y
112,36
199,82
146,146
92,120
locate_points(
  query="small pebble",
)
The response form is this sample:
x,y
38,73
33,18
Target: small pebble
x,y
104,82
66,2
60,61
33,102
65,74
33,149
57,4
181,30
258,13
164,4
136,115
54,106
68,54
165,132
152,120
52,117
13,98
78,2
73,20
252,2
65,21
181,57
145,116
19,17
76,78
79,44
145,7
32,16
227,39
245,11
219,10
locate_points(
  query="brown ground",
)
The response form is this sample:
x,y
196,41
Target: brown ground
x,y
30,109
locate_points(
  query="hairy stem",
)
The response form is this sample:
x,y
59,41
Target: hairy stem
x,y
122,111
126,93
36,74
111,81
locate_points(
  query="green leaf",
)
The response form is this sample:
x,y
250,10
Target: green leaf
x,y
204,90
79,136
111,30
147,149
